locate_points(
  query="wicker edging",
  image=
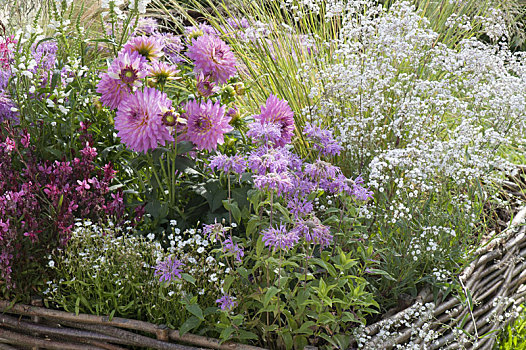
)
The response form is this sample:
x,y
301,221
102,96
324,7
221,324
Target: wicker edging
x,y
52,329
494,286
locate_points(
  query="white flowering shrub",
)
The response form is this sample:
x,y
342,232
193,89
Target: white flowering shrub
x,y
426,122
109,270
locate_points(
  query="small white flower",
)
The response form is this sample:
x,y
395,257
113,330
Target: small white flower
x,y
151,236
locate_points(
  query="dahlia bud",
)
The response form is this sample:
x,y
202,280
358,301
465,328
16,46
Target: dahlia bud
x,y
240,88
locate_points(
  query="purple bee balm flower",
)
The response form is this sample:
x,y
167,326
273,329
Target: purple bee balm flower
x,y
278,112
231,247
146,25
128,69
300,207
236,164
360,192
278,182
267,133
212,56
8,110
169,270
321,170
204,86
149,47
206,124
214,231
323,140
313,231
139,120
279,238
226,302
266,159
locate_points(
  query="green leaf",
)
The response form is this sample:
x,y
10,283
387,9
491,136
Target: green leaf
x,y
226,284
383,273
184,147
195,310
192,323
271,292
226,333
188,278
233,208
246,335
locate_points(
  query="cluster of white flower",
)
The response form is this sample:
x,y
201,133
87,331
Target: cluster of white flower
x,y
427,242
509,307
415,114
416,318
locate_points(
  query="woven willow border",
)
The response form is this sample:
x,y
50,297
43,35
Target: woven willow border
x,y
494,288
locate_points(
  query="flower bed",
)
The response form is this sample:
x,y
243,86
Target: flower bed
x,y
279,175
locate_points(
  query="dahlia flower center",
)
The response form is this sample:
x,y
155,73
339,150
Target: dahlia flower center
x,y
169,119
203,124
129,75
217,55
145,51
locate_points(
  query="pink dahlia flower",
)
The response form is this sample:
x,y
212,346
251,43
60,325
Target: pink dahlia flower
x,y
149,47
212,56
112,93
278,112
139,120
206,124
124,74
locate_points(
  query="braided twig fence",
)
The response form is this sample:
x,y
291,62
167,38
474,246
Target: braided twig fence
x,y
37,327
494,288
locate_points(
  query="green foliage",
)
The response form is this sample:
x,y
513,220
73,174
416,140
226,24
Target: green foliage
x,y
514,336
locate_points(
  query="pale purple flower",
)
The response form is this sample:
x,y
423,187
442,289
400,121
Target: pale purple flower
x,y
214,231
264,132
7,108
278,182
149,47
172,46
360,192
236,164
146,25
299,206
139,120
202,28
161,73
323,140
312,230
278,112
226,302
169,270
279,238
112,93
45,55
321,170
212,56
128,69
206,124
204,86
234,248
237,23
267,159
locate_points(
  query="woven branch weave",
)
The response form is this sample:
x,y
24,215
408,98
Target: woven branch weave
x,y
494,280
